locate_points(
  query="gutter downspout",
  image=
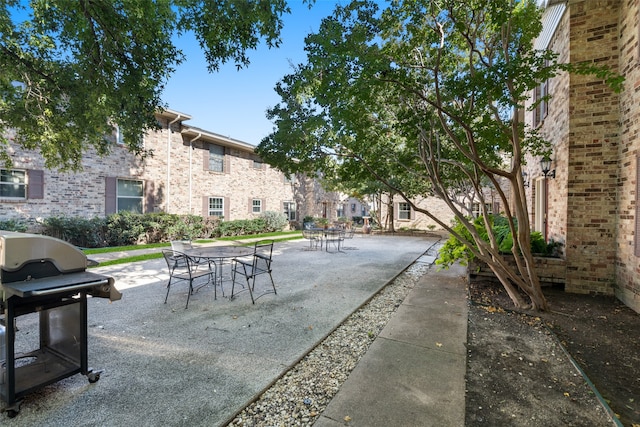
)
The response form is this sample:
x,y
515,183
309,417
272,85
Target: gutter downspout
x,y
191,170
169,161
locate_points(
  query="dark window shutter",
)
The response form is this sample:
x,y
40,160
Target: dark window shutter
x,y
205,206
110,195
35,188
227,160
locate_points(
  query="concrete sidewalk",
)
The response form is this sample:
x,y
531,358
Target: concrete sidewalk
x,y
414,372
165,365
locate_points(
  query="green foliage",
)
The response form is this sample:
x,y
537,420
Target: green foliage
x,y
124,228
71,70
274,221
127,228
82,232
453,250
13,225
321,222
241,227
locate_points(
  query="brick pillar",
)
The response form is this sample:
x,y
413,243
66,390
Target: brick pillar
x,y
592,151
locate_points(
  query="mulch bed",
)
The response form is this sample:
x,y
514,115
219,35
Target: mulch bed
x,y
599,332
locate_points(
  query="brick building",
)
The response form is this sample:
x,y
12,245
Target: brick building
x,y
191,171
590,205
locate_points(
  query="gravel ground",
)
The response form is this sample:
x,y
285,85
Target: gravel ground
x,y
301,394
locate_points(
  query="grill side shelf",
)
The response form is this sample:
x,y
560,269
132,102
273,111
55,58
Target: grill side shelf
x,y
54,284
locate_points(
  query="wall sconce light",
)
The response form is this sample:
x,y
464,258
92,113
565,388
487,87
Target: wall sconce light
x,y
525,179
545,165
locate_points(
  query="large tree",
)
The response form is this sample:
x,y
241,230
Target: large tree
x,y
71,70
422,96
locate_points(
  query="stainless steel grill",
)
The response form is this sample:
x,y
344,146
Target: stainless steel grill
x,y
48,276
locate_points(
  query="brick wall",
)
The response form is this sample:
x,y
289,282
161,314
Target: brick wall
x,y
175,174
592,150
594,132
418,220
627,263
555,128
80,194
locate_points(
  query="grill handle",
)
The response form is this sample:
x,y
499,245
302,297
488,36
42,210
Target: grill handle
x,y
70,288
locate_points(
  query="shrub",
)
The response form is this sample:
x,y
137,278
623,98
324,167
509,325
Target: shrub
x,y
82,232
453,250
124,228
128,228
240,227
13,225
274,221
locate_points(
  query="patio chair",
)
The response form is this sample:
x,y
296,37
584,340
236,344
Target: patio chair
x,y
181,245
336,237
314,238
184,246
183,268
255,265
348,235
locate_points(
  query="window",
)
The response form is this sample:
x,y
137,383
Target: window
x,y
290,179
256,206
129,195
216,206
353,207
404,210
119,136
540,94
13,184
290,210
477,211
216,158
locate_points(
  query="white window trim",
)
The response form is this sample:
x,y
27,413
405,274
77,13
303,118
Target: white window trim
x,y
255,205
407,211
292,209
211,211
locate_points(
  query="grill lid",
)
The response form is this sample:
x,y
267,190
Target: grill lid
x,y
18,249
36,265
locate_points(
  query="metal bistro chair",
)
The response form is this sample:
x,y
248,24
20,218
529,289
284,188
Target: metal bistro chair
x,y
184,246
348,235
183,268
250,267
336,237
314,238
181,245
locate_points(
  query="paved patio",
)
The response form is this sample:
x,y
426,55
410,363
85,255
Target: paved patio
x,y
165,365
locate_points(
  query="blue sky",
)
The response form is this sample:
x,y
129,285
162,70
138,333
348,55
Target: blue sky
x,y
234,103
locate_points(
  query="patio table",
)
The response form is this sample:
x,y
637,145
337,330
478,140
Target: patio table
x,y
335,235
219,254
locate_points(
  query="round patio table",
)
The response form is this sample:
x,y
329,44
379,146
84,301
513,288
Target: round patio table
x,y
219,254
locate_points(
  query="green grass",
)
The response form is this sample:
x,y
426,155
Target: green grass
x,y
124,248
278,237
144,257
295,234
